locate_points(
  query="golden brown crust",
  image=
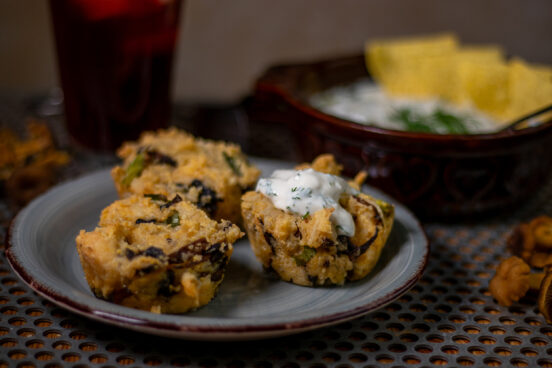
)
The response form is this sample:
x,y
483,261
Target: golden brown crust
x,y
161,255
325,163
307,250
213,175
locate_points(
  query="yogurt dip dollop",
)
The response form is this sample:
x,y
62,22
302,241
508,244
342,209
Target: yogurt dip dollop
x,y
304,192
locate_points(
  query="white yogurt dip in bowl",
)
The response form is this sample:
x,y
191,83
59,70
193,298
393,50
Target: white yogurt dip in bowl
x,y
366,103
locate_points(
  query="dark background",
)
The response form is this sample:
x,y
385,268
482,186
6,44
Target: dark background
x,y
225,45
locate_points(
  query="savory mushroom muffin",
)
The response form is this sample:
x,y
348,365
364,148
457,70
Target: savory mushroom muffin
x,y
314,228
212,175
156,253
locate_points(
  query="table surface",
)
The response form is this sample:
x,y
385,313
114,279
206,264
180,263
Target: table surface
x,y
448,318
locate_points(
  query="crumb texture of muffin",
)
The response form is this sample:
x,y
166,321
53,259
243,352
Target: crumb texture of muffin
x,y
310,249
156,253
212,175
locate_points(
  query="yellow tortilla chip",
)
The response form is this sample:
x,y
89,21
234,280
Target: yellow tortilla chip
x,y
422,78
486,53
530,88
436,66
485,84
408,66
454,91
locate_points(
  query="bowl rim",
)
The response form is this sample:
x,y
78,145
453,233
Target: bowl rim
x,y
281,78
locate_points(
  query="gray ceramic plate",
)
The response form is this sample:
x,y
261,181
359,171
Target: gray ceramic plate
x,y
249,303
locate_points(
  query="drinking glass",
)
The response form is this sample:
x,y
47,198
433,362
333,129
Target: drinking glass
x,y
115,60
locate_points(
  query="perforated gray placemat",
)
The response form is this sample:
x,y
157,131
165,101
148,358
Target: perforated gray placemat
x,y
448,318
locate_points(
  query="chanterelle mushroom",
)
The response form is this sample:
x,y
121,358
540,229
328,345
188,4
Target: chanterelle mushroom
x,y
512,280
545,296
533,241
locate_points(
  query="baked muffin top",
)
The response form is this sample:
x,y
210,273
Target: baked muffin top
x,y
210,174
168,223
160,161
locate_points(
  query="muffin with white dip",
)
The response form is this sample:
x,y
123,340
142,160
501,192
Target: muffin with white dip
x,y
315,228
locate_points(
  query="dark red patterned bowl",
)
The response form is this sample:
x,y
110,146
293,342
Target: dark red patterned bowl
x,y
435,175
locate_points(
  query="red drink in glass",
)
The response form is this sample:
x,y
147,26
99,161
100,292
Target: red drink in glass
x,y
115,61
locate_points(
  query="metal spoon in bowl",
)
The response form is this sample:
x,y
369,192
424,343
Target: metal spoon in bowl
x,y
524,122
